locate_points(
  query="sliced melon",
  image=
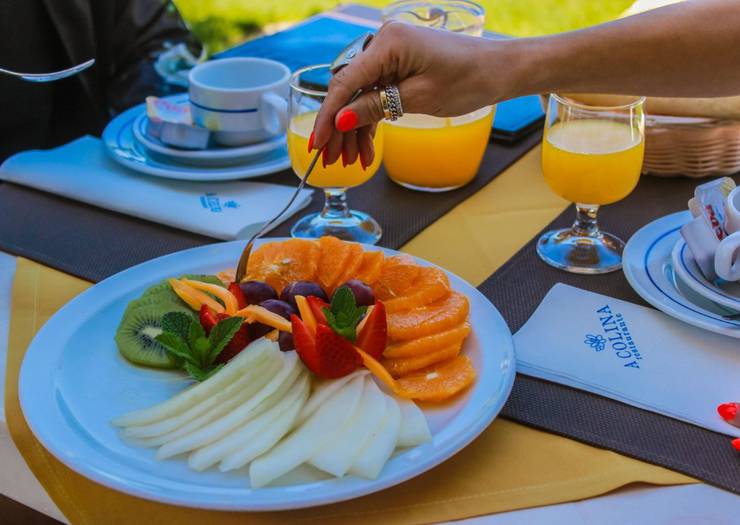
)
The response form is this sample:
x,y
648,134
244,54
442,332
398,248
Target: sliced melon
x,y
243,436
337,456
414,428
225,424
303,443
254,353
373,457
268,436
323,392
253,379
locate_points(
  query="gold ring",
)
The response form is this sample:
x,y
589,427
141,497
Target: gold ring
x,y
384,104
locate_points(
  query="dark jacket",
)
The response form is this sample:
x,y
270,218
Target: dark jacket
x,y
44,35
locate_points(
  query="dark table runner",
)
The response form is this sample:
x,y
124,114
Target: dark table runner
x,y
519,286
94,243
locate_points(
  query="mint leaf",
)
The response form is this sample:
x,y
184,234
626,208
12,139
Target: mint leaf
x,y
201,374
177,323
177,346
343,315
196,337
222,334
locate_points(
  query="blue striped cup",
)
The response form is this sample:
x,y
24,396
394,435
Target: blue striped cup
x,y
241,100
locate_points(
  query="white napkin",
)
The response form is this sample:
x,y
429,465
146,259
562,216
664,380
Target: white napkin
x,y
81,170
632,354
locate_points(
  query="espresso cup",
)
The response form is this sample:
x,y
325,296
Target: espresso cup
x,y
727,256
241,100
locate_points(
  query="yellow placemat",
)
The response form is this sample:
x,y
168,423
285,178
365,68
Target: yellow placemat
x,y
508,467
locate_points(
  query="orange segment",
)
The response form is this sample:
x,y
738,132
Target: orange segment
x,y
378,371
396,277
281,263
436,317
431,285
333,259
438,382
429,343
404,365
353,262
370,267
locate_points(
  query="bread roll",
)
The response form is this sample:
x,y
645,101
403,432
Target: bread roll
x,y
721,108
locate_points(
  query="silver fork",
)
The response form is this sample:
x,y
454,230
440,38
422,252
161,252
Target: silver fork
x,y
343,59
51,76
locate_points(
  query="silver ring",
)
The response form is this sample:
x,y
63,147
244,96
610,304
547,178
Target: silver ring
x,y
392,107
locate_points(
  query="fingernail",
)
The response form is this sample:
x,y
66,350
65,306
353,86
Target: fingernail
x,y
323,158
728,411
362,163
736,443
344,159
310,142
347,120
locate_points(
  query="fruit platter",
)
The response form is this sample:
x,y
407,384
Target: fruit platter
x,y
333,370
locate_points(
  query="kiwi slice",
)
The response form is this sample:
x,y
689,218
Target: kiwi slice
x,y
136,333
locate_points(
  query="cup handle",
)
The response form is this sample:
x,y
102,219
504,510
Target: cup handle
x,y
274,113
727,258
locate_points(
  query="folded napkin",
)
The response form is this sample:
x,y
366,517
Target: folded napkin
x,y
630,353
81,171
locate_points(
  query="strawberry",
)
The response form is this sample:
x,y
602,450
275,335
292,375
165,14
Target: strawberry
x,y
373,336
207,318
337,356
305,344
236,291
238,343
317,306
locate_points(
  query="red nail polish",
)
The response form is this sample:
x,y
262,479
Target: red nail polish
x,y
736,444
728,411
347,120
323,158
362,163
344,159
310,142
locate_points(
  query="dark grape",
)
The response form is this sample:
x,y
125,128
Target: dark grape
x,y
304,288
276,306
362,292
285,340
256,292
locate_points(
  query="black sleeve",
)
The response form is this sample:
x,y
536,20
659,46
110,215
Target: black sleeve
x,y
142,30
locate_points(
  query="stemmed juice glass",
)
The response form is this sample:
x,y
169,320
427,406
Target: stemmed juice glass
x,y
591,156
308,91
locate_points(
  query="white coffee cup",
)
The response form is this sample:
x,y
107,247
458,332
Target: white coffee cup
x,y
241,100
727,256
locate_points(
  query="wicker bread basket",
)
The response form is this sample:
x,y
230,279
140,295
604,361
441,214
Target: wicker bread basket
x,y
689,146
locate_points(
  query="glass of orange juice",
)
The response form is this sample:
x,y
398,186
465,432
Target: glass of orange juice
x,y
308,90
590,156
429,153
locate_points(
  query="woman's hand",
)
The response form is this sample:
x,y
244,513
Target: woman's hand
x,y
437,73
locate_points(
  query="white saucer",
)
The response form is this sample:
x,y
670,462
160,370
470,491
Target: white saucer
x,y
724,293
212,157
649,269
123,147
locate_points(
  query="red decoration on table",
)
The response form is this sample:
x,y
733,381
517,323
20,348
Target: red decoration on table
x,y
730,412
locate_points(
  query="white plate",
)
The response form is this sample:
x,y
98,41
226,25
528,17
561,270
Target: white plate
x,y
73,381
648,267
123,147
212,157
724,293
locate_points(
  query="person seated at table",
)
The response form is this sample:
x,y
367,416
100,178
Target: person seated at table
x,y
684,50
124,37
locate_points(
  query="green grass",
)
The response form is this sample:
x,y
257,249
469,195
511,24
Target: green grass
x,y
223,23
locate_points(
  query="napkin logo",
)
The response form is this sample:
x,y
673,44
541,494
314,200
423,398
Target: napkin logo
x,y
597,342
616,337
231,204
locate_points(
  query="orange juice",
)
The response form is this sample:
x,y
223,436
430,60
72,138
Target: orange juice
x,y
334,176
435,153
592,161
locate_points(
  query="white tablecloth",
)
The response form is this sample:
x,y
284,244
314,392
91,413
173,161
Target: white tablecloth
x,y
688,504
